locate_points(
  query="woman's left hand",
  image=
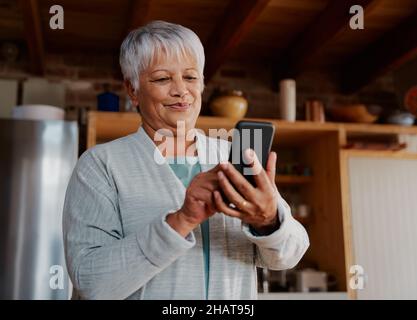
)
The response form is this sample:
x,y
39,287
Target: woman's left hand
x,y
254,206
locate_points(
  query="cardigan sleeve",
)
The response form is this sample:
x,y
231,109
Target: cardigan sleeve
x,y
101,261
283,248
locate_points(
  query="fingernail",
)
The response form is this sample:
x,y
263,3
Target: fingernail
x,y
249,154
220,174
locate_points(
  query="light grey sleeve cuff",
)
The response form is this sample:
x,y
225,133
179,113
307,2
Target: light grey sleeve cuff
x,y
161,244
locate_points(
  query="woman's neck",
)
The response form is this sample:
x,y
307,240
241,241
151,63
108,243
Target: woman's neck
x,y
174,145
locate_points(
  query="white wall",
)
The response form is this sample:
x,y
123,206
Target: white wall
x,y
384,225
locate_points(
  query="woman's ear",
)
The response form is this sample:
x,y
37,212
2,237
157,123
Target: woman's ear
x,y
131,92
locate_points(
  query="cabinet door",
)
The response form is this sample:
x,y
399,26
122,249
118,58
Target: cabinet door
x,y
383,202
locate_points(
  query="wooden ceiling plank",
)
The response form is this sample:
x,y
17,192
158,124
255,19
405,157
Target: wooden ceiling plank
x,y
33,35
392,50
333,20
139,13
239,17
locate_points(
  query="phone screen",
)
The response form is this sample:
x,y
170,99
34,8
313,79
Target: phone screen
x,y
255,135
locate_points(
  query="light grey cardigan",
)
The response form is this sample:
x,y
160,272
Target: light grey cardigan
x,y
119,246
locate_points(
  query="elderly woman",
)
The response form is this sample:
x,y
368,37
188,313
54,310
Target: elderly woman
x,y
136,227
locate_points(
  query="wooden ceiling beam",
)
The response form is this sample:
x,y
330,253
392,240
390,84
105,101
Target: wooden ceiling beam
x,y
139,14
333,20
393,49
237,20
33,35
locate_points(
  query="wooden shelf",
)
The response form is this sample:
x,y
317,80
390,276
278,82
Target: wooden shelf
x,y
106,126
292,179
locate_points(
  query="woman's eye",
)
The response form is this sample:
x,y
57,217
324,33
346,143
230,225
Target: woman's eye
x,y
162,79
190,78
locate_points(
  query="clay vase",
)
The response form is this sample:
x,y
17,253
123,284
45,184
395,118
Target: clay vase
x,y
229,104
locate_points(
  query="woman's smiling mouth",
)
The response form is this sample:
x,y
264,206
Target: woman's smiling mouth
x,y
179,106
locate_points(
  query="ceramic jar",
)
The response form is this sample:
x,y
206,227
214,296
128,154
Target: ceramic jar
x,y
230,104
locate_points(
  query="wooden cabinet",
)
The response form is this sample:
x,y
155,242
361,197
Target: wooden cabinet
x,y
328,188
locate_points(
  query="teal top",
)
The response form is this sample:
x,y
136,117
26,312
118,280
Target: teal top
x,y
185,171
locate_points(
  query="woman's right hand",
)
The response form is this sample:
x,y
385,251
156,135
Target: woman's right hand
x,y
198,203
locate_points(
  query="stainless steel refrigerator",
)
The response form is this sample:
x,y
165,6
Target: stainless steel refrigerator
x,y
36,161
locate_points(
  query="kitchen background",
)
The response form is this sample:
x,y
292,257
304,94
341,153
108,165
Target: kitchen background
x,y
362,76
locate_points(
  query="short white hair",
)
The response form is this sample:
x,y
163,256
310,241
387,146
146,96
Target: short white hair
x,y
142,45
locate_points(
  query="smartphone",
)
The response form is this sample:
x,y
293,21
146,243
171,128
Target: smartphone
x,y
256,135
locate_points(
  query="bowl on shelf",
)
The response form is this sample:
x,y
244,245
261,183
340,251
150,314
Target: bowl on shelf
x,y
352,113
401,118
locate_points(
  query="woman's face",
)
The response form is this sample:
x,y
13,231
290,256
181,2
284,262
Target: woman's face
x,y
169,92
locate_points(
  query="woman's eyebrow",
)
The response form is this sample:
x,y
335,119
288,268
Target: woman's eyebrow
x,y
159,70
166,70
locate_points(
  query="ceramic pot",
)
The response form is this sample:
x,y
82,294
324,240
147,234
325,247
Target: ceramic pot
x,y
230,104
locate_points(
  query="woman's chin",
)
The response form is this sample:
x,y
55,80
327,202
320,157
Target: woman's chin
x,y
174,117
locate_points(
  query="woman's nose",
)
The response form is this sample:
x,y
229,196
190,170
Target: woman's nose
x,y
178,88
